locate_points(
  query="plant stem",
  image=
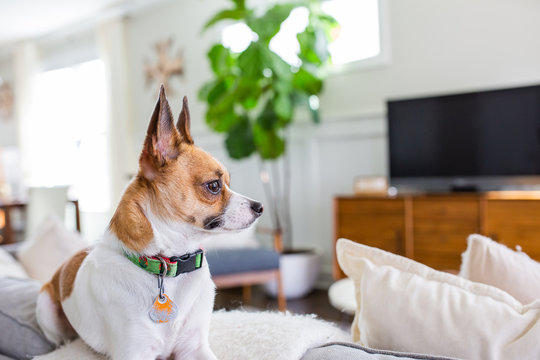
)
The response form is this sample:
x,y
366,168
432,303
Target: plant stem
x,y
287,192
276,223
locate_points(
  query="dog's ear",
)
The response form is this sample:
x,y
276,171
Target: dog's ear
x,y
184,123
162,142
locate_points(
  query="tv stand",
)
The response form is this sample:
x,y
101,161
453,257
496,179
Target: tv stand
x,y
433,228
467,188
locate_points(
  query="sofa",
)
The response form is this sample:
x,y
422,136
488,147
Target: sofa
x,y
236,334
403,309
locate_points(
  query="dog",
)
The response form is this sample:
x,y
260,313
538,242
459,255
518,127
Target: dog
x,y
144,291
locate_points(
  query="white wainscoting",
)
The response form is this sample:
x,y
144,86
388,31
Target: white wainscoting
x,y
325,159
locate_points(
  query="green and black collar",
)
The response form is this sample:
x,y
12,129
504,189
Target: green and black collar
x,y
176,265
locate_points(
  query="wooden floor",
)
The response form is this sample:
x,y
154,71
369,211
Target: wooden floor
x,y
314,303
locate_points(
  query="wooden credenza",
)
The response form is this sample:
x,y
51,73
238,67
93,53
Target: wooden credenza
x,y
433,229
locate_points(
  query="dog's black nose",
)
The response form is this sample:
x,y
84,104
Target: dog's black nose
x,y
257,208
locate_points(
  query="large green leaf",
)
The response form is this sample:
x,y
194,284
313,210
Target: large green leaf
x,y
255,59
239,141
227,14
268,25
313,45
219,89
267,119
305,81
268,143
223,121
283,106
240,3
220,59
205,90
247,92
280,68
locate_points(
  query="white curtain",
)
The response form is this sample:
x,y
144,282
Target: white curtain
x,y
112,44
25,60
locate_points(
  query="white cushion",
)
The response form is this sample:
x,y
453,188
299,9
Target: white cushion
x,y
403,305
232,240
48,248
10,267
491,263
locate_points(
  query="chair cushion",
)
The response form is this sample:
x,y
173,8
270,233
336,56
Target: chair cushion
x,y
231,261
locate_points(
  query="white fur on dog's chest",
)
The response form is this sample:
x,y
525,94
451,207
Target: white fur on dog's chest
x,y
113,296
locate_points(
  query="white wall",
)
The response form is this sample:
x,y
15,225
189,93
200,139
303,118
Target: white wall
x,y
435,47
445,46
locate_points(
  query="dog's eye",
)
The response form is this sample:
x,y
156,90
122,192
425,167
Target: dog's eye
x,y
214,187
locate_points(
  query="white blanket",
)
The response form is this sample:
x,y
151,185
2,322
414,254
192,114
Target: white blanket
x,y
241,335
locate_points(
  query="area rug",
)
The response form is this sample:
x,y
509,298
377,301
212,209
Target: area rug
x,y
242,335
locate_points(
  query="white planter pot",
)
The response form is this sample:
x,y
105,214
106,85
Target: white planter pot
x,y
299,272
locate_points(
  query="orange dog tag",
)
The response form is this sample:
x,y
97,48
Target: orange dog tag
x,y
163,310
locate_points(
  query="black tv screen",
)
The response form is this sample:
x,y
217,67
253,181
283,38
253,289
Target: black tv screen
x,y
466,136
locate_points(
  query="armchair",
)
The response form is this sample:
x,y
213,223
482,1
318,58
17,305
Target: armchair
x,y
247,266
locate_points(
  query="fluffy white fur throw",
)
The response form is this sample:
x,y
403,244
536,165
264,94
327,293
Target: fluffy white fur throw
x,y
239,335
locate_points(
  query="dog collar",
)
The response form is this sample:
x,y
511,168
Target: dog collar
x,y
176,265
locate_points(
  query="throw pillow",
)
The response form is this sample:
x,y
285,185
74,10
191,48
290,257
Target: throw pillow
x,y
21,337
491,263
48,248
10,267
405,306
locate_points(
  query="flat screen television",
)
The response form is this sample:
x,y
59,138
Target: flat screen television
x,y
478,141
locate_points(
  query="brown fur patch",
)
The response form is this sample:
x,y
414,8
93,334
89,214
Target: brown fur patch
x,y
188,176
129,223
61,284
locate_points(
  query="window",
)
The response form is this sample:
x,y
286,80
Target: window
x,y
68,133
359,37
358,40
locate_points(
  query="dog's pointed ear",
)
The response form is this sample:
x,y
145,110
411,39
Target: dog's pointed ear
x,y
162,142
184,123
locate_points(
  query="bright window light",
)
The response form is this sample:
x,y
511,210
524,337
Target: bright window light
x,y
68,133
237,37
284,43
358,36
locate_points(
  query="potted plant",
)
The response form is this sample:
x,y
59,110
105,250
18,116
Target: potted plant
x,y
252,99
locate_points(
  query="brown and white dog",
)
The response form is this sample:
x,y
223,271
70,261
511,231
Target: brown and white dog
x,y
179,196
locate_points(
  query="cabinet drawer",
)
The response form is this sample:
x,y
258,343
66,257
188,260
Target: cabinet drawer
x,y
445,208
515,222
374,222
372,208
386,239
440,230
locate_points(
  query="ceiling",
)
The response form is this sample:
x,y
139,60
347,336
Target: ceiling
x,y
27,19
